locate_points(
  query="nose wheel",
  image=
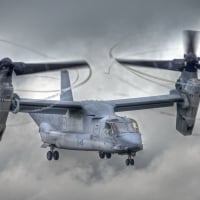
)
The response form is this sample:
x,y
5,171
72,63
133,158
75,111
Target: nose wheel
x,y
52,154
130,160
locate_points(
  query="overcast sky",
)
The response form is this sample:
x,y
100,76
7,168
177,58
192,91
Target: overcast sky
x,y
168,168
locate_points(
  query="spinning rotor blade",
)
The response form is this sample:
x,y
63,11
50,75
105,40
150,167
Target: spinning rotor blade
x,y
175,65
191,40
190,63
21,68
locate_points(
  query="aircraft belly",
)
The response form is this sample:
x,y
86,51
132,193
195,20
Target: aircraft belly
x,y
67,141
82,142
97,146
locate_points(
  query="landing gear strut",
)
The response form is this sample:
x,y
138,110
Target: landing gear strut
x,y
52,154
129,160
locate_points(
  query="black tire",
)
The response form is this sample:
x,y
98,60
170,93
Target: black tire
x,y
132,162
56,155
108,155
102,155
127,162
49,155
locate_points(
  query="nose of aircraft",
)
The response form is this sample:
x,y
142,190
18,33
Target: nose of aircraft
x,y
131,140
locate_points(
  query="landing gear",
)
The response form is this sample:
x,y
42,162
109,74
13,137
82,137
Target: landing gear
x,y
132,162
129,160
56,155
108,155
52,154
49,155
102,155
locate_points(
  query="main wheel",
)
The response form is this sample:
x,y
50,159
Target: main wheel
x,y
108,155
132,162
49,155
56,155
127,162
102,155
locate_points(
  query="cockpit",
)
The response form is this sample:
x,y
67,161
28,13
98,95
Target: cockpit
x,y
124,125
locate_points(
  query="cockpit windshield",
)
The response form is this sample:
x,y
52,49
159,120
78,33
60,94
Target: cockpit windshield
x,y
116,127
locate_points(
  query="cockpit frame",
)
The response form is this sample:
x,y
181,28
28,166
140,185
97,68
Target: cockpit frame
x,y
122,125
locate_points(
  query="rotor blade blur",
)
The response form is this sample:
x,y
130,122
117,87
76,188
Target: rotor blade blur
x,y
175,65
21,68
191,40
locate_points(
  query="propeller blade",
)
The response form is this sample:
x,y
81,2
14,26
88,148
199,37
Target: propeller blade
x,y
22,68
191,40
175,65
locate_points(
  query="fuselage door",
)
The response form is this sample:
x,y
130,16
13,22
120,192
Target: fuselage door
x,y
96,130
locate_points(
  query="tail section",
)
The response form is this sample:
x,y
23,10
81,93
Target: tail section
x,y
66,95
66,91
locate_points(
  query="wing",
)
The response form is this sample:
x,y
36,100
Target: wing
x,y
45,106
145,102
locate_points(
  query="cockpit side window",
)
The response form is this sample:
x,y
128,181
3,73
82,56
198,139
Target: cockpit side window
x,y
125,127
121,127
108,129
135,126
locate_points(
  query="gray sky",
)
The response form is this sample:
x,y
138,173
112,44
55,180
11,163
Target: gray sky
x,y
168,168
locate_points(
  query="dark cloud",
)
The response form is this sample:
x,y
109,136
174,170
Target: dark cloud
x,y
168,166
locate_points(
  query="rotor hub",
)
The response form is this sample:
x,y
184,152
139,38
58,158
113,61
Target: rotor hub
x,y
191,59
191,62
6,62
6,66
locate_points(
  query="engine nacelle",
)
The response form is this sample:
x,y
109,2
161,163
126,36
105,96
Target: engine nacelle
x,y
6,92
5,103
187,111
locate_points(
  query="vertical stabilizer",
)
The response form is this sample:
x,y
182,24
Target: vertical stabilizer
x,y
66,92
66,95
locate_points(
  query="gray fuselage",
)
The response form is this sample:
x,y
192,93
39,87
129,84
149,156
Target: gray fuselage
x,y
90,131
